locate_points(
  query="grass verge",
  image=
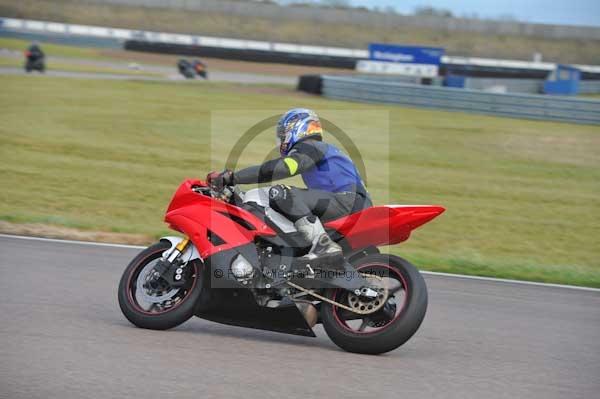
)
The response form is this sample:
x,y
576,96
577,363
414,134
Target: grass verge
x,y
58,50
65,53
75,67
522,196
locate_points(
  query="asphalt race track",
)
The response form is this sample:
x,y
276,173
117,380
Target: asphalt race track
x,y
62,335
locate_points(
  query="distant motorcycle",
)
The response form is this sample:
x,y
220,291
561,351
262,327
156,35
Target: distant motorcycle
x,y
240,263
35,59
190,70
200,68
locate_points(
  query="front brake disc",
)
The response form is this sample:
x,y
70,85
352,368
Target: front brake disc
x,y
144,292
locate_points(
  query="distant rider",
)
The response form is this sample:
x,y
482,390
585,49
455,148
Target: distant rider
x,y
34,52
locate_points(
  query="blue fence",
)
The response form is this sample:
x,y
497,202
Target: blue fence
x,y
512,105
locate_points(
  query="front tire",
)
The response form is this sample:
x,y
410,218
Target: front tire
x,y
178,308
393,325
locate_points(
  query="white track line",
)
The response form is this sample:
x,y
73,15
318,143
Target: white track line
x,y
505,280
60,241
462,276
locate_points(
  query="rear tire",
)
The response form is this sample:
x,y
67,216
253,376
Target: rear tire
x,y
170,317
400,329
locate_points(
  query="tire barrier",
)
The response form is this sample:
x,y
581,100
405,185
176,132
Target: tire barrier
x,y
310,84
242,54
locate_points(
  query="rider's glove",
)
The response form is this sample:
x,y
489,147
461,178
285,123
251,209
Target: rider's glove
x,y
218,180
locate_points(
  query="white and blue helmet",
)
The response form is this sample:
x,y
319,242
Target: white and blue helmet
x,y
295,125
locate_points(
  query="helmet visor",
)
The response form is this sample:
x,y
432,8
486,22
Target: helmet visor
x,y
280,138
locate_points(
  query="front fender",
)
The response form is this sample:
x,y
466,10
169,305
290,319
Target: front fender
x,y
190,253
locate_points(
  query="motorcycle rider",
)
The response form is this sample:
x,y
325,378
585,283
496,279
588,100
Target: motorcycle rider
x,y
34,52
334,186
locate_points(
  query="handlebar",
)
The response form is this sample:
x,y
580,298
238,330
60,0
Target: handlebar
x,y
223,194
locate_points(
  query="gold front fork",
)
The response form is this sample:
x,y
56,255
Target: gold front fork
x,y
178,250
183,244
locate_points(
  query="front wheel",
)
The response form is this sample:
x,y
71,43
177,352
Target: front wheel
x,y
393,323
155,304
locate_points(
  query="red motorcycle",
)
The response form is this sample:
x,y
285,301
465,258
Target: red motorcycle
x,y
240,264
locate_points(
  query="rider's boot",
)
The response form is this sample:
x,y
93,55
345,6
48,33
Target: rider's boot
x,y
325,253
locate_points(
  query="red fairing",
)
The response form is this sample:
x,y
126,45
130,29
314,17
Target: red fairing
x,y
383,225
196,215
215,225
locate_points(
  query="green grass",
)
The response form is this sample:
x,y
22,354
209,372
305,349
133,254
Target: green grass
x,y
66,52
57,50
522,197
75,67
586,51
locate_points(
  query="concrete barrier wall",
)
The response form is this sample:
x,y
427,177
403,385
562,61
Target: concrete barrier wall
x,y
243,54
589,87
528,86
542,107
13,25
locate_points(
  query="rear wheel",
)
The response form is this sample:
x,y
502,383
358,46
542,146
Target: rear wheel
x,y
155,304
400,316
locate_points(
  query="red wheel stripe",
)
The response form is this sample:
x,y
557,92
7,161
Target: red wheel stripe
x,y
130,294
379,329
